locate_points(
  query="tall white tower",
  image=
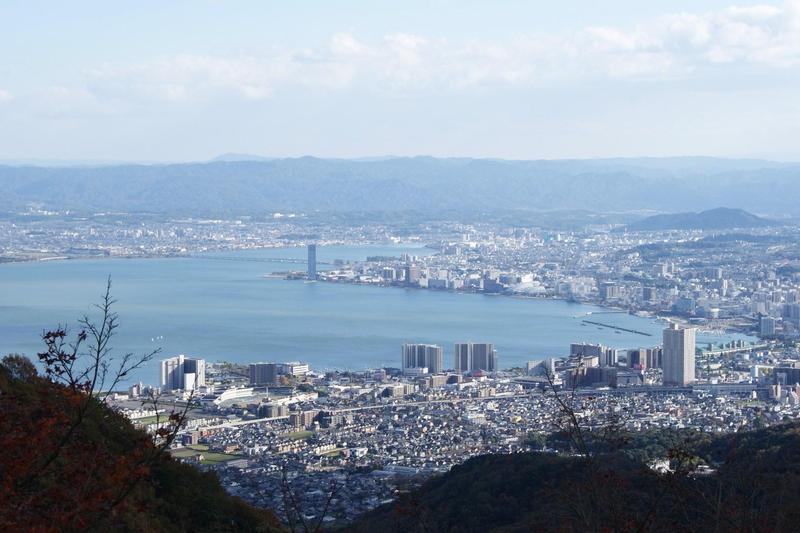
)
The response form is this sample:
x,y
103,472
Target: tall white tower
x,y
182,373
678,355
312,261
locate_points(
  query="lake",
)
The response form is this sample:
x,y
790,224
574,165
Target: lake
x,y
227,310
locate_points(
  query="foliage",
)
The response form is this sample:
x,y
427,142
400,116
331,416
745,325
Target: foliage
x,y
756,488
19,367
105,477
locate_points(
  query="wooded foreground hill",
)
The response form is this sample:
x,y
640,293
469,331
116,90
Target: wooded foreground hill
x,y
101,474
753,485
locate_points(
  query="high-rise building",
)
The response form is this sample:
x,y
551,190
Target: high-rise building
x,y
653,357
600,376
295,368
194,374
472,356
609,290
678,355
766,326
303,418
263,374
644,358
412,275
172,373
413,356
463,357
786,375
649,294
419,356
183,373
388,274
605,356
312,261
542,367
791,313
272,410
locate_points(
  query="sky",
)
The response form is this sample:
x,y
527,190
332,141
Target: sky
x,y
189,80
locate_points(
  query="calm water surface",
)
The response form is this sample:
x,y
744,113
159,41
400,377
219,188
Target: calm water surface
x,y
221,309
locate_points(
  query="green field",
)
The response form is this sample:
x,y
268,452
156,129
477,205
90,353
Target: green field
x,y
297,435
216,458
208,457
183,453
151,420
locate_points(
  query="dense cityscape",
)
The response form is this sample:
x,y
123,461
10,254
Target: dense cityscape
x,y
346,442
400,267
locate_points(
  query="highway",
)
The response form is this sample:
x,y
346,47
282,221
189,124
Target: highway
x,y
579,392
350,410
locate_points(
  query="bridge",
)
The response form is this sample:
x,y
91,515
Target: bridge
x,y
288,260
609,312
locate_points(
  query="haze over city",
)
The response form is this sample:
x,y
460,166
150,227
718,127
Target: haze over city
x,y
399,266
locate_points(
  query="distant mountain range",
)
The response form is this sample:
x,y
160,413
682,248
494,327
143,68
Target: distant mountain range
x,y
719,218
243,184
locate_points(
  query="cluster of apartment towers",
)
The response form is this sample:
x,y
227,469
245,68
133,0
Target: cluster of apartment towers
x,y
187,373
429,358
676,357
677,361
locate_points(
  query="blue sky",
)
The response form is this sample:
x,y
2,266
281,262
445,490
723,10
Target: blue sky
x,y
169,81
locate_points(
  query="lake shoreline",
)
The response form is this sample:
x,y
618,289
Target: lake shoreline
x,y
228,310
682,321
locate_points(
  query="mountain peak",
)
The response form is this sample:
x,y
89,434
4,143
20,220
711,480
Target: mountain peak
x,y
717,218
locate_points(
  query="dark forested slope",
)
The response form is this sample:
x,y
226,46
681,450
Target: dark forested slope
x,y
753,484
100,474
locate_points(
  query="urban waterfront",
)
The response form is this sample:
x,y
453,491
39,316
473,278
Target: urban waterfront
x,y
223,307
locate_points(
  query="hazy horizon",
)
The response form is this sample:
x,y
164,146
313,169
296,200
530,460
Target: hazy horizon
x,y
241,157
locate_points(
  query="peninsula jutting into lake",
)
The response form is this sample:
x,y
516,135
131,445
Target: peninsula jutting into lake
x,y
227,310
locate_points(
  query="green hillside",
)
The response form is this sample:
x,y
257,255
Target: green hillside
x,y
747,482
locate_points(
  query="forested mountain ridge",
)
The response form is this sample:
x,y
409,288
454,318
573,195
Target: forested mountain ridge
x,y
719,218
396,184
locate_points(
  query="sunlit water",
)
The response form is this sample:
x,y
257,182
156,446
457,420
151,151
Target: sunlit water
x,y
221,309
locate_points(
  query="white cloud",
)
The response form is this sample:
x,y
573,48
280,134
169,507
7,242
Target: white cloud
x,y
673,46
5,96
184,76
753,13
63,102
